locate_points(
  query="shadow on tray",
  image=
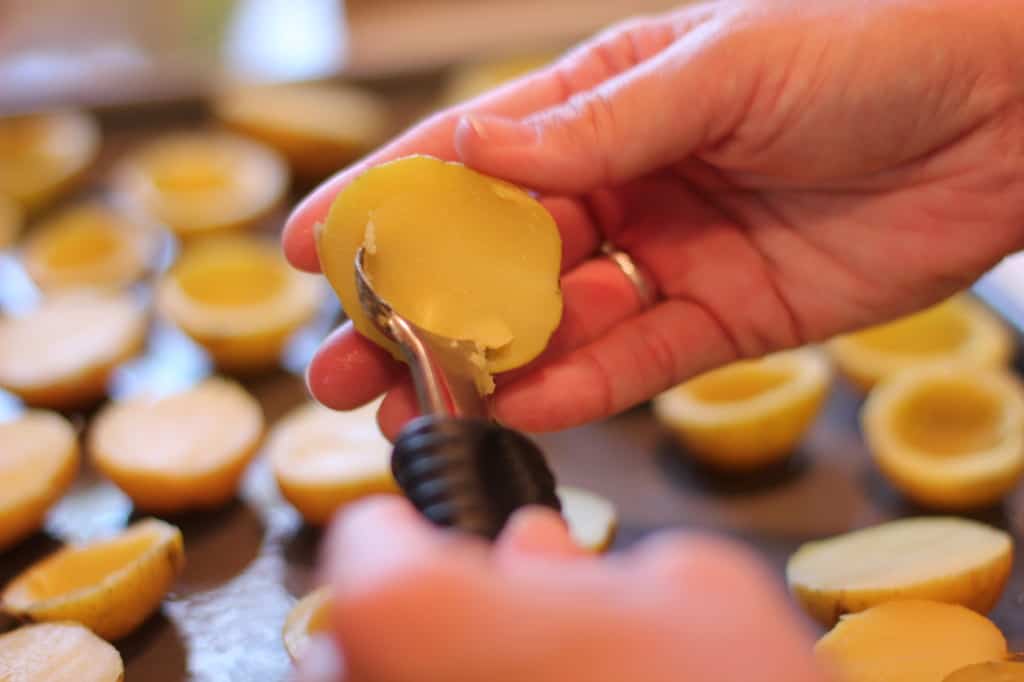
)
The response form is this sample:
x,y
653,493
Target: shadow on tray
x,y
685,471
155,652
219,545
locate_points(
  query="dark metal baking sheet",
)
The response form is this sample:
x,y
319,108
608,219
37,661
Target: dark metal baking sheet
x,y
249,562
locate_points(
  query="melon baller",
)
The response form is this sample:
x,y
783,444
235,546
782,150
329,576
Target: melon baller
x,y
459,468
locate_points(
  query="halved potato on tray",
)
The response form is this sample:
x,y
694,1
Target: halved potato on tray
x,y
318,127
324,459
948,436
591,518
309,616
458,253
959,329
62,353
239,299
58,652
110,586
182,451
43,154
38,461
945,559
748,414
909,641
201,183
89,245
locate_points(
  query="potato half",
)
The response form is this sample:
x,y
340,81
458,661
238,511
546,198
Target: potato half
x,y
458,253
38,461
938,558
948,436
323,459
58,652
182,451
111,586
909,641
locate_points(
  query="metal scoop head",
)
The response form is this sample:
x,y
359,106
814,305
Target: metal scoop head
x,y
443,369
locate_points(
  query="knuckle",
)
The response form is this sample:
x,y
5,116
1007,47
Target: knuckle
x,y
659,351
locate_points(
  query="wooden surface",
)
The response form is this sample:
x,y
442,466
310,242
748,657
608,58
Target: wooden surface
x,y
249,562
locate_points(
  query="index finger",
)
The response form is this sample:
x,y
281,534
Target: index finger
x,y
591,63
435,136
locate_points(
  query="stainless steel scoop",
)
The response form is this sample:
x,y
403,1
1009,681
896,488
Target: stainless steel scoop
x,y
443,373
459,468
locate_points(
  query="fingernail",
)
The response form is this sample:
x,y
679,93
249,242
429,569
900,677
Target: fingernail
x,y
498,131
321,662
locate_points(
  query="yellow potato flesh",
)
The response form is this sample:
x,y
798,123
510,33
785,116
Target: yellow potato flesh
x,y
190,174
81,245
62,353
240,274
58,652
458,253
110,586
948,418
945,559
89,245
937,330
909,641
736,383
323,459
748,414
85,567
181,451
203,183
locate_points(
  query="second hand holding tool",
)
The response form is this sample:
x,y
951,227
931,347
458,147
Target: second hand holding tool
x,y
459,468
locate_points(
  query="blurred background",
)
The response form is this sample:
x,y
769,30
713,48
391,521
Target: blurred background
x,y
106,51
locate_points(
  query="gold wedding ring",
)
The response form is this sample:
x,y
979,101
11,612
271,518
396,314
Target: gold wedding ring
x,y
645,290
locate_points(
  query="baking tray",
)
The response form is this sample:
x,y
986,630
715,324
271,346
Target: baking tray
x,y
249,562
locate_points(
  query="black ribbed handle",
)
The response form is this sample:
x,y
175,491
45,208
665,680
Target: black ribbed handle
x,y
470,474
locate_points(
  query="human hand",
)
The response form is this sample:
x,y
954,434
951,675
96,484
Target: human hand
x,y
783,171
412,603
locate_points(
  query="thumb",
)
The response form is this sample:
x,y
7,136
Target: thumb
x,y
654,114
537,532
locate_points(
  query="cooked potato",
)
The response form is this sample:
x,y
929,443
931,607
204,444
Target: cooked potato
x,y
937,558
458,253
323,459
38,461
58,652
749,414
909,641
110,586
182,451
